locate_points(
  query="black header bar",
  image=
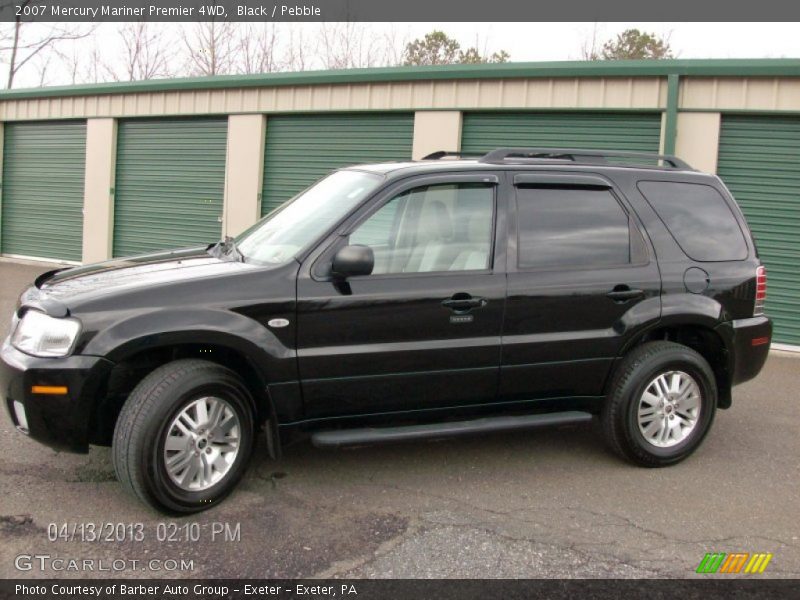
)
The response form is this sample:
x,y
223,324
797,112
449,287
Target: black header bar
x,y
397,11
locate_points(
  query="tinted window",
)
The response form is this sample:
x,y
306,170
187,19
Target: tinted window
x,y
564,227
699,219
431,228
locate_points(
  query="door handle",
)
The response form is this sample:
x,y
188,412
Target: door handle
x,y
622,293
462,302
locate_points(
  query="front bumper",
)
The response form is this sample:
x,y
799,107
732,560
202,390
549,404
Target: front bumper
x,y
59,421
748,342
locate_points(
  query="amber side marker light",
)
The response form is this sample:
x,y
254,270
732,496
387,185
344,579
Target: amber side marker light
x,y
50,390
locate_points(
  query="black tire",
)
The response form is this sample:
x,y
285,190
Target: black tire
x,y
620,412
141,431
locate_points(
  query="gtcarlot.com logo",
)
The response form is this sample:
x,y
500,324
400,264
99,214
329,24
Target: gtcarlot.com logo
x,y
45,562
735,562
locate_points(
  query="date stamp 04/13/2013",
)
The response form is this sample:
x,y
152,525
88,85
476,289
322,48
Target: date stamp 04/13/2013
x,y
169,531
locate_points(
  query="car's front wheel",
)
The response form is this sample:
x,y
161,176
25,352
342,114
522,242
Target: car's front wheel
x,y
184,436
661,404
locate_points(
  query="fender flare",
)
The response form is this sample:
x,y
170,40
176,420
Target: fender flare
x,y
270,359
681,310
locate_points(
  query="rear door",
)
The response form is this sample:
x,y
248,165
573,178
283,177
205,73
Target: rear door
x,y
582,280
423,331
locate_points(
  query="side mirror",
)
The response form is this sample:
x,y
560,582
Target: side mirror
x,y
352,261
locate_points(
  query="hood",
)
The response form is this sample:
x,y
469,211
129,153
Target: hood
x,y
141,271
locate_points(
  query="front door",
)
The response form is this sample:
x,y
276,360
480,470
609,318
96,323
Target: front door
x,y
582,281
423,330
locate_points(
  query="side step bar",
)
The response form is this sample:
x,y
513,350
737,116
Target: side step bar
x,y
370,435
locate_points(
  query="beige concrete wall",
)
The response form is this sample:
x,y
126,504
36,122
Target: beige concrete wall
x,y
617,93
2,144
662,135
697,141
436,130
98,197
244,168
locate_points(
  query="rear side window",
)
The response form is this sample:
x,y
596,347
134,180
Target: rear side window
x,y
572,227
699,219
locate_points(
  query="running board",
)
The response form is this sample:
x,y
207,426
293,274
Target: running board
x,y
370,435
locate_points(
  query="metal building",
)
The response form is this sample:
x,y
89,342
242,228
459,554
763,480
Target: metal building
x,y
95,171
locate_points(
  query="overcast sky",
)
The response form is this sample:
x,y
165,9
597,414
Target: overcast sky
x,y
523,41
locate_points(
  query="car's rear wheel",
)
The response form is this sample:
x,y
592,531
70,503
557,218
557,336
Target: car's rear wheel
x,y
184,436
661,404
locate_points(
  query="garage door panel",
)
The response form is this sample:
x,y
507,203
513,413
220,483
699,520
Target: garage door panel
x,y
597,131
300,149
43,181
759,160
170,184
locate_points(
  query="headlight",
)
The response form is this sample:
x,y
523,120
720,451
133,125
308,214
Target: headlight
x,y
41,335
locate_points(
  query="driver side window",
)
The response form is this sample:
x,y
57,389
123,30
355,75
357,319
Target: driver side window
x,y
443,227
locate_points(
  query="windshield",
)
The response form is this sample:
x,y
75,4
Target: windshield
x,y
282,234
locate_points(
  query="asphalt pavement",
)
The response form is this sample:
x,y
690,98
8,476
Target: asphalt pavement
x,y
544,503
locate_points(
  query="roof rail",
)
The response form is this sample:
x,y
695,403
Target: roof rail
x,y
445,154
579,156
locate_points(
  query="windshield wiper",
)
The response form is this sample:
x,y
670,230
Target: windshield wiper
x,y
227,247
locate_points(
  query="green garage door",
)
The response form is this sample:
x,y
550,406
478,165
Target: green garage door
x,y
170,183
639,132
301,149
759,160
42,202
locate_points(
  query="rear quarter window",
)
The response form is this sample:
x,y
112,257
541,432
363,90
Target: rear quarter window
x,y
699,219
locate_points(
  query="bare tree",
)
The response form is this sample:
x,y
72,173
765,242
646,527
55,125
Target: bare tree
x,y
96,68
85,62
257,48
43,68
297,51
145,54
394,44
590,49
23,42
211,47
71,62
349,45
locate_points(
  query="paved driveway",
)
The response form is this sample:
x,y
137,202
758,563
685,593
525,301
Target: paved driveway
x,y
548,503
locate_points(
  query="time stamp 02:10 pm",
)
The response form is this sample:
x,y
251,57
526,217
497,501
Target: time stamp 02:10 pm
x,y
270,11
217,531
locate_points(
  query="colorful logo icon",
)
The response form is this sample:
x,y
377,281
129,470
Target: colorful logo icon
x,y
735,562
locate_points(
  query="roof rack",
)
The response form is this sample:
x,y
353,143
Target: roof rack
x,y
579,156
446,154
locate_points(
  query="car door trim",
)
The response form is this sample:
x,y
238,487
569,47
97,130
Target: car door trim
x,y
385,194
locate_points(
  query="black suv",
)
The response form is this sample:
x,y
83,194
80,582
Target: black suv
x,y
522,288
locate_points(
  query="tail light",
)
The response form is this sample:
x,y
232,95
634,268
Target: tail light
x,y
761,290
